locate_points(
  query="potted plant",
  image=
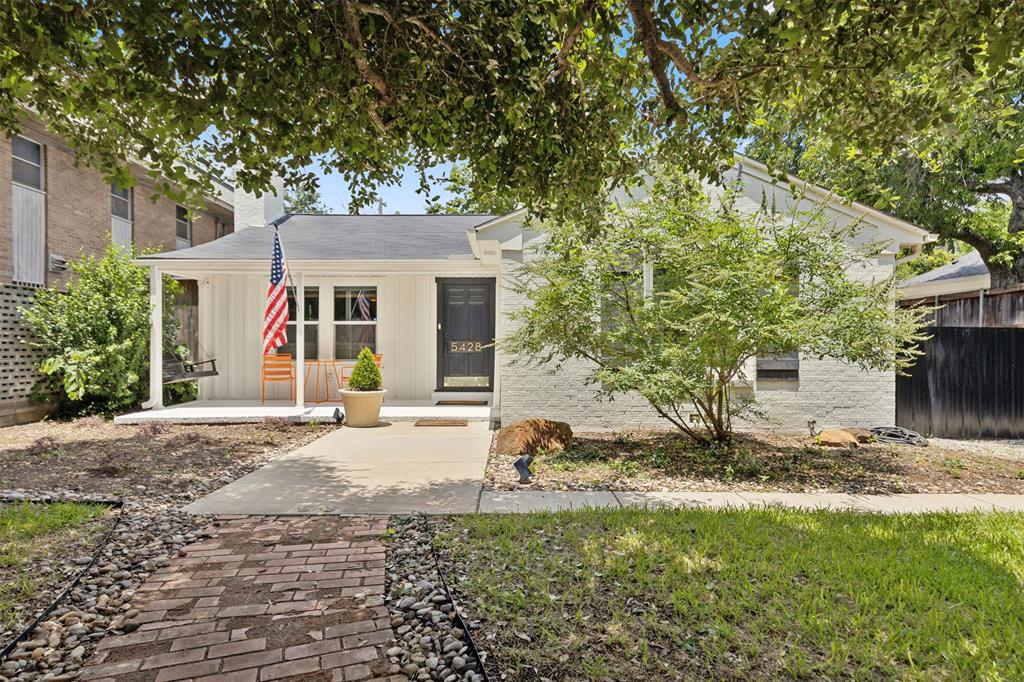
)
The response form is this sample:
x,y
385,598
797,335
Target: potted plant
x,y
363,396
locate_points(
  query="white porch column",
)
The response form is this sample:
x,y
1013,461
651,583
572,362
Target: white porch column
x,y
300,340
156,340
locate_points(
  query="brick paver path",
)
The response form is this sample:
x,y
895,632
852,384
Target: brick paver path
x,y
265,598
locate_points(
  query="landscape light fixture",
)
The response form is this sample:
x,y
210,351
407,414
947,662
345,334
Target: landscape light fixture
x,y
339,416
524,468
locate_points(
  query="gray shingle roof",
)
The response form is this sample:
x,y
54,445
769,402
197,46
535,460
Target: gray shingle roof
x,y
967,265
344,237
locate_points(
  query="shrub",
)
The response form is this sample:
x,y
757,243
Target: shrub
x,y
366,374
95,333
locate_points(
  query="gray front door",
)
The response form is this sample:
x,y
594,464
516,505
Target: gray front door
x,y
465,334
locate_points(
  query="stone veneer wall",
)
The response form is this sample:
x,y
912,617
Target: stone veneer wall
x,y
828,391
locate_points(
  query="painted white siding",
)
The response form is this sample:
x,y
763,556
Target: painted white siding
x,y
230,328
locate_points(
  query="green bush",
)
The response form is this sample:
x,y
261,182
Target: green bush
x,y
95,333
366,374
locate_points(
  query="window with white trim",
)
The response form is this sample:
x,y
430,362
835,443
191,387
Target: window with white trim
x,y
27,162
28,212
355,321
311,305
121,202
778,367
182,227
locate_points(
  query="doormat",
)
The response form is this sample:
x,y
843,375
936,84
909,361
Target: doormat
x,y
441,422
462,402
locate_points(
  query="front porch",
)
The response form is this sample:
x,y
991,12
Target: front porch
x,y
243,411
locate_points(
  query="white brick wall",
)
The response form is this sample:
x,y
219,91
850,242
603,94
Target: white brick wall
x,y
830,392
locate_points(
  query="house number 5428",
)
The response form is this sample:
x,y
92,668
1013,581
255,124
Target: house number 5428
x,y
465,346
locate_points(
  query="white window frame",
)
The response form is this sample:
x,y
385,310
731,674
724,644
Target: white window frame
x,y
129,199
41,165
29,271
182,242
352,323
312,326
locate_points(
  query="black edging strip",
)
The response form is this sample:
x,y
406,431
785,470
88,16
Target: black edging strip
x,y
113,504
451,598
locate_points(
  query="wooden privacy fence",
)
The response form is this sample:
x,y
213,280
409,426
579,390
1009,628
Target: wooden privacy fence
x,y
968,384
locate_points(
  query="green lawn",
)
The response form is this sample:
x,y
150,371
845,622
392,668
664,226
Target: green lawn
x,y
29,532
745,594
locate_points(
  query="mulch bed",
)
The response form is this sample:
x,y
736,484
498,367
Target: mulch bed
x,y
660,461
96,456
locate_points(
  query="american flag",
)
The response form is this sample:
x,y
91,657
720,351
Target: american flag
x,y
275,332
363,305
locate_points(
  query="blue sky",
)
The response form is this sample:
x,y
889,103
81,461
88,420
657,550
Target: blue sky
x,y
402,198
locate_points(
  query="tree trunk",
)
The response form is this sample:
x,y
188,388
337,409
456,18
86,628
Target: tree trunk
x,y
1003,274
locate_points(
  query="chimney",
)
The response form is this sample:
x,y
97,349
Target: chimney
x,y
253,211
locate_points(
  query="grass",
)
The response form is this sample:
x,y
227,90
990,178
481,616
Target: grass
x,y
745,594
27,532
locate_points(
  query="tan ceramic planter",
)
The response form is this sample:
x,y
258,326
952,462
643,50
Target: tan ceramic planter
x,y
362,408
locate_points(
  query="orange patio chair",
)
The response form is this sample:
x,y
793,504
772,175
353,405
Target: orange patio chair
x,y
277,368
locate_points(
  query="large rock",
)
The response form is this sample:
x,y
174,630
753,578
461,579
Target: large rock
x,y
861,434
528,436
836,438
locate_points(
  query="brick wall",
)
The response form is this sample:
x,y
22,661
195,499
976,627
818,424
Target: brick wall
x,y
830,392
78,207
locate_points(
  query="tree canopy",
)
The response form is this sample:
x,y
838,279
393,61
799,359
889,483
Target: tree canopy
x,y
963,180
552,99
304,199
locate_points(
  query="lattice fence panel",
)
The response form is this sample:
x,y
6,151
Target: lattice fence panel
x,y
17,360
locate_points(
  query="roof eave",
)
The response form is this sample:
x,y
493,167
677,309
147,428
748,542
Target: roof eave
x,y
919,235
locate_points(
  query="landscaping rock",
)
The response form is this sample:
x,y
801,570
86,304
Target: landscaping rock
x,y
430,646
861,434
528,436
836,438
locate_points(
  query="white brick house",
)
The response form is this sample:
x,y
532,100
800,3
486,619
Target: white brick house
x,y
441,290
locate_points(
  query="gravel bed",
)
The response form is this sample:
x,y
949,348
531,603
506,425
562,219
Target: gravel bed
x,y
429,645
55,561
148,535
153,529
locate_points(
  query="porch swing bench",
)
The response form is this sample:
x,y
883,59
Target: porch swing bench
x,y
177,370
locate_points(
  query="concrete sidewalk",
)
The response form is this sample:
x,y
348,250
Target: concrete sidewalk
x,y
524,501
390,469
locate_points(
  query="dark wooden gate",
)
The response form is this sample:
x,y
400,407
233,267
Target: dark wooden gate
x,y
968,384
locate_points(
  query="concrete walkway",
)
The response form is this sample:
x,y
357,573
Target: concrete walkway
x,y
524,501
391,469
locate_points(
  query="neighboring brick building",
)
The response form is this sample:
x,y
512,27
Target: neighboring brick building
x,y
52,211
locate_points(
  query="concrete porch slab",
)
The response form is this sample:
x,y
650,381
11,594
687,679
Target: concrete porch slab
x,y
526,501
392,469
248,411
